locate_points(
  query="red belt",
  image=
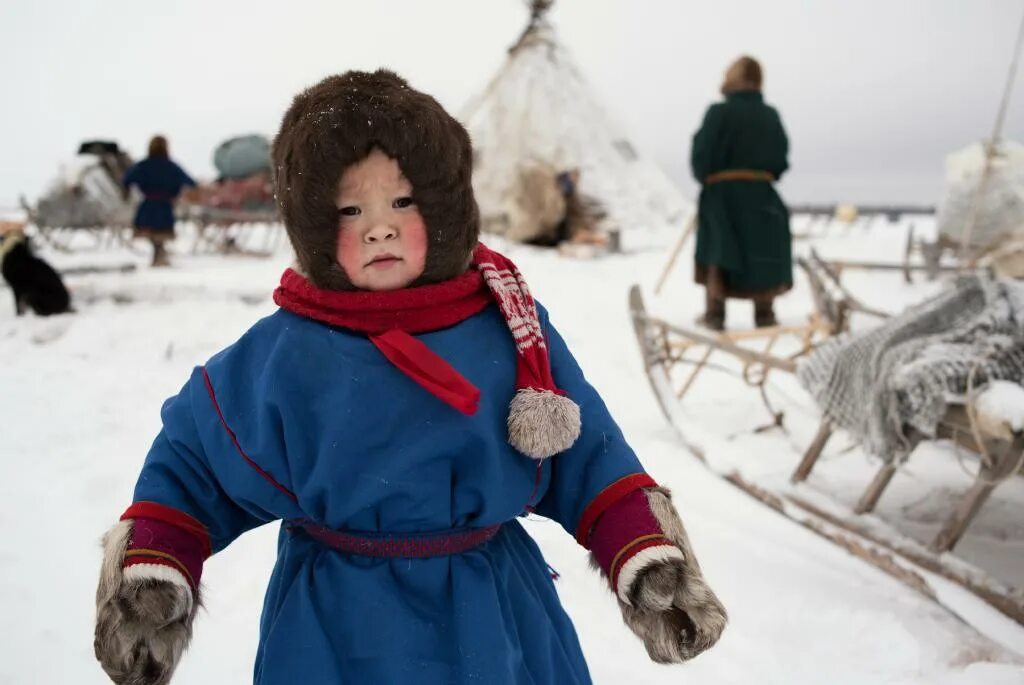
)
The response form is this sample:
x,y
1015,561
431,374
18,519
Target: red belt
x,y
405,546
738,175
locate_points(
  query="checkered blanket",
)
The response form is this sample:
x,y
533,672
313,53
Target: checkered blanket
x,y
902,375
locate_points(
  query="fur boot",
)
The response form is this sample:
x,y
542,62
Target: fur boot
x,y
764,312
144,615
714,312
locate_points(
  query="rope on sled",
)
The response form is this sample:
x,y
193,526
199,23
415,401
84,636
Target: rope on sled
x,y
972,416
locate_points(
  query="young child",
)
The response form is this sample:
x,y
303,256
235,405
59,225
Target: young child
x,y
404,406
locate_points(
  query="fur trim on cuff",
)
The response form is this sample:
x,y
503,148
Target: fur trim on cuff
x,y
660,501
115,543
641,560
140,573
542,423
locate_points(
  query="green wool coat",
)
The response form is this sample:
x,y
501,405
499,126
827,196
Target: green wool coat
x,y
743,226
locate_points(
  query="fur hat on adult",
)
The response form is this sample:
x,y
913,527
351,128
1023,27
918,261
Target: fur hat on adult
x,y
337,123
743,74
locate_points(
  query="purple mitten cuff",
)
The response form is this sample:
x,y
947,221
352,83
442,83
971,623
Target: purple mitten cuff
x,y
626,538
165,538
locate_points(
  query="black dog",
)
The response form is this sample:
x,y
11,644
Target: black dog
x,y
35,284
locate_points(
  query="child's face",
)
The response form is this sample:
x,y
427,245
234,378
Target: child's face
x,y
382,240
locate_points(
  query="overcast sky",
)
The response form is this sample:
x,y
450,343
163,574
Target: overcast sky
x,y
874,93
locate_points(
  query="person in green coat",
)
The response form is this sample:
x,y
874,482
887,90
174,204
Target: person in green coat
x,y
743,239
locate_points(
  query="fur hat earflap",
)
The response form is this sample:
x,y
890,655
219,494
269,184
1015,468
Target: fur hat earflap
x,y
337,123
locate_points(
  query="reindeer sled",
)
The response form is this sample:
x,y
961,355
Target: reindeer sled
x,y
236,214
86,199
950,369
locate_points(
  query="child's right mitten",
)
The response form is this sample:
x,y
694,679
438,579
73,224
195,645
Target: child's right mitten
x,y
148,594
640,544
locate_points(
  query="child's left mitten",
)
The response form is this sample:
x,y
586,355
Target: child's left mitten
x,y
640,544
148,595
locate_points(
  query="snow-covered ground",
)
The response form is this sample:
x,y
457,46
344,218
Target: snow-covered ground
x,y
80,394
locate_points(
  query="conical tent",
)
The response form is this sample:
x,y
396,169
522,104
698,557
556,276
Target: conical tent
x,y
539,111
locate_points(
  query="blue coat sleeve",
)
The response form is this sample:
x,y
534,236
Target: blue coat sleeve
x,y
131,176
185,180
179,471
598,458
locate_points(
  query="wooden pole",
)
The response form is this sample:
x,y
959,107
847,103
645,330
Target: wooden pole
x,y
690,227
990,151
813,452
870,497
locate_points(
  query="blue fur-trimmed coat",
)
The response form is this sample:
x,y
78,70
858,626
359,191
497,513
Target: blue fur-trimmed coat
x,y
300,420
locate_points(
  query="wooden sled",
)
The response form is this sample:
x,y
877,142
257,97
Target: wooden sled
x,y
663,347
235,232
682,354
934,259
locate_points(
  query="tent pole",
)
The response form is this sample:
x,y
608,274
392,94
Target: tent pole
x,y
990,151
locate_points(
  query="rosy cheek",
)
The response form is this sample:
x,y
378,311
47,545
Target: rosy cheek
x,y
348,251
414,234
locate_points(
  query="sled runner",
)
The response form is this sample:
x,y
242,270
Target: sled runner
x,y
789,487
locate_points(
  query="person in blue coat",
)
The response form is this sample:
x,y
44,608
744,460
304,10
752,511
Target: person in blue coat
x,y
398,414
161,181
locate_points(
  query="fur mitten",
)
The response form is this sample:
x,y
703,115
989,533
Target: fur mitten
x,y
668,604
146,602
640,544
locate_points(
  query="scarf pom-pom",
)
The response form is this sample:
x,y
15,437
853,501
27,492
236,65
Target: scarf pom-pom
x,y
541,423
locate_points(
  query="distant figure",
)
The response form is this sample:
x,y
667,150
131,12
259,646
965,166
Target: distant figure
x,y
36,285
743,239
565,184
578,218
160,181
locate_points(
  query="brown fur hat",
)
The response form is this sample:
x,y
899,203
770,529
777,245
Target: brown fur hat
x,y
335,124
743,74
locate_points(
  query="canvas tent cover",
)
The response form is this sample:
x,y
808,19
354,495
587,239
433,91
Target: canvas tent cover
x,y
538,112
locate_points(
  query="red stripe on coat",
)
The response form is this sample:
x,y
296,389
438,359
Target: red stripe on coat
x,y
270,479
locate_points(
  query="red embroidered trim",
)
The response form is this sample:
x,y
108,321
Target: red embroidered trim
x,y
231,433
606,498
537,479
173,517
410,546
